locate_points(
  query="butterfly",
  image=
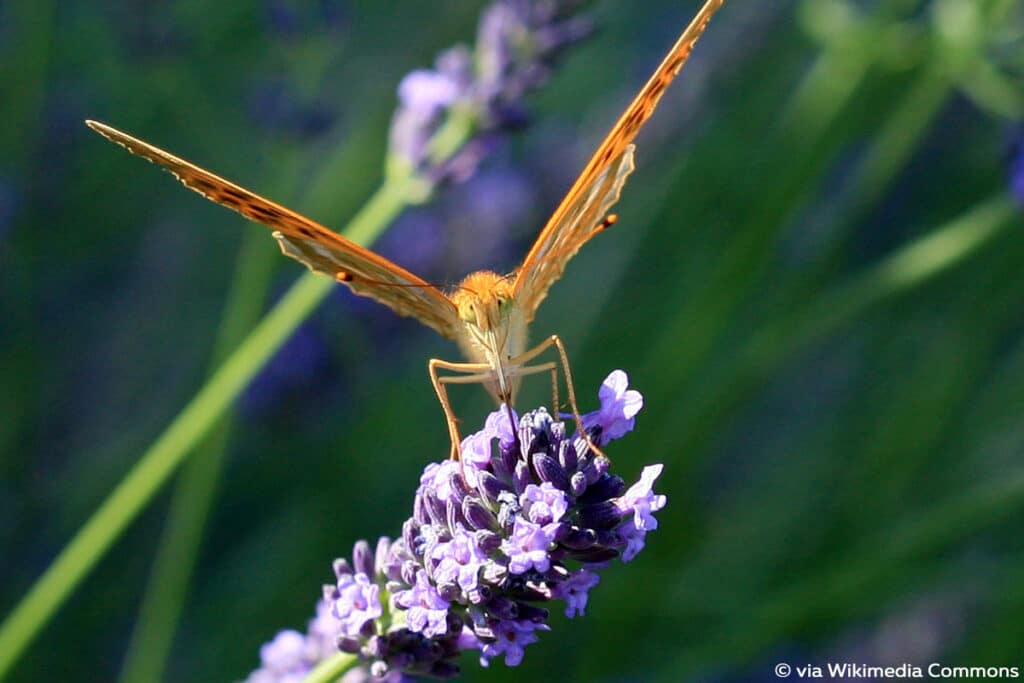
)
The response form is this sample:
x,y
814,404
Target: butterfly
x,y
487,314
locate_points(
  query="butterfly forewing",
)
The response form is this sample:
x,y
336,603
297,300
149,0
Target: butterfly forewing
x,y
316,246
576,225
537,273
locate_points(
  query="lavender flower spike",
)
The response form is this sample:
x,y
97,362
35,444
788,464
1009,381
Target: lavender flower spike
x,y
482,89
517,526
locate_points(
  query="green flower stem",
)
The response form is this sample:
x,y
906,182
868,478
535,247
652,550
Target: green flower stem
x,y
331,668
452,135
193,496
181,436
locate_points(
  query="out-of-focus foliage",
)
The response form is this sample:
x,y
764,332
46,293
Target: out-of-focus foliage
x,y
815,281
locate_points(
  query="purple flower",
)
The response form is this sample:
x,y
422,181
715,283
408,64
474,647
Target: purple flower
x,y
511,639
428,611
641,500
516,44
536,515
424,96
543,504
459,560
634,538
478,448
438,477
529,545
574,591
358,601
619,406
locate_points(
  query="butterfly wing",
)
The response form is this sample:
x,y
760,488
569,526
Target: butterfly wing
x,y
597,188
320,249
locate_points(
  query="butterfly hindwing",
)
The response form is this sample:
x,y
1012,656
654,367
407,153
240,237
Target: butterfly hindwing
x,y
376,278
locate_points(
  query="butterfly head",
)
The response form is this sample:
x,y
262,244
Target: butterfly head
x,y
493,330
484,302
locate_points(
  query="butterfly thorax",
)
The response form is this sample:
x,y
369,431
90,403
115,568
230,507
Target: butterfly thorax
x,y
494,329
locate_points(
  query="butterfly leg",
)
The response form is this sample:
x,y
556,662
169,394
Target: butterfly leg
x,y
551,367
556,341
479,373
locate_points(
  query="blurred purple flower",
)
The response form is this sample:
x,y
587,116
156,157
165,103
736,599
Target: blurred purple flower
x,y
428,93
487,217
293,18
522,523
284,656
277,106
302,363
278,103
517,41
1017,168
290,656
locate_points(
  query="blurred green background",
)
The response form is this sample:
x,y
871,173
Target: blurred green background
x,y
815,282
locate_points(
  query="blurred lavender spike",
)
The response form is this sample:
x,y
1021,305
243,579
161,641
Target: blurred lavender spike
x,y
517,42
1017,168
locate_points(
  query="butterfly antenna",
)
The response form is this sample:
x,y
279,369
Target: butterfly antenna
x,y
344,276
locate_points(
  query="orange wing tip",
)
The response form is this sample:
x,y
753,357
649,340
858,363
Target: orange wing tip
x,y
101,128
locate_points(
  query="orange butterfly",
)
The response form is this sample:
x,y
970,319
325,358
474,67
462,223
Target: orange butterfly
x,y
487,314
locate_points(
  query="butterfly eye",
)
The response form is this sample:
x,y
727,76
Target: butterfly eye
x,y
468,314
504,305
